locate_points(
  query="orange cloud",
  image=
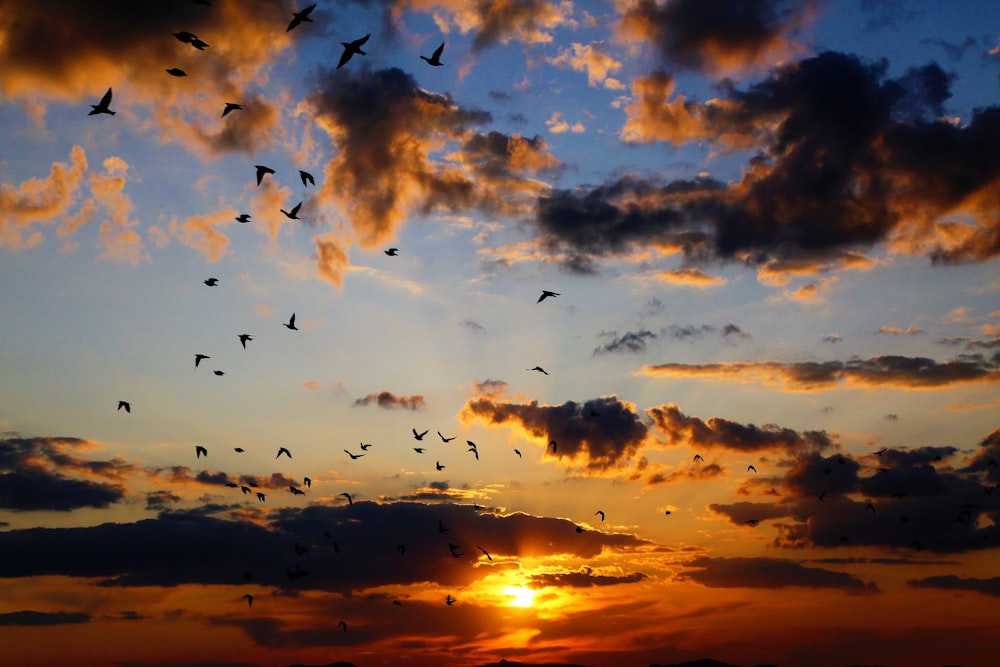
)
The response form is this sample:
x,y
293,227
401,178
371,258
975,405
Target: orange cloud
x,y
331,259
594,59
117,233
201,232
691,277
498,21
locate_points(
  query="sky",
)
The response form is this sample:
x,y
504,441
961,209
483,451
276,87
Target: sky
x,y
756,421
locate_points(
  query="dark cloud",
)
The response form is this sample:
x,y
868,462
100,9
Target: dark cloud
x,y
953,583
770,573
35,618
630,341
490,388
160,500
388,400
582,579
970,343
718,36
689,331
473,326
892,458
601,433
885,371
689,474
742,512
832,338
679,428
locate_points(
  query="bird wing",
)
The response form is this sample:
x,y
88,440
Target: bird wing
x,y
358,42
437,52
106,100
291,320
344,57
295,211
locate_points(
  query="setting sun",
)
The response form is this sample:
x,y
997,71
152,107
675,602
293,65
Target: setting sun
x,y
520,596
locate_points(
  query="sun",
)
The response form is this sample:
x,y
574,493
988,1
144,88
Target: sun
x,y
520,596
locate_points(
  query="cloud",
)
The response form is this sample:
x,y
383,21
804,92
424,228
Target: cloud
x,y
593,58
721,37
600,433
691,277
202,233
679,428
498,21
885,371
388,400
770,573
492,389
36,618
331,259
690,474
952,583
630,341
584,578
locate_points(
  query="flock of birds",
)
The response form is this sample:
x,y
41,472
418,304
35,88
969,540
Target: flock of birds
x,y
351,49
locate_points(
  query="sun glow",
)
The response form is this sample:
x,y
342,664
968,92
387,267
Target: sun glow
x,y
520,596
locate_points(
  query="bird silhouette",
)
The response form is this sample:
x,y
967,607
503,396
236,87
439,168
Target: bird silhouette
x,y
198,44
301,17
474,451
438,466
580,529
290,324
343,626
176,71
365,446
456,551
392,252
751,522
244,338
881,451
397,603
871,506
354,457
200,451
294,213
419,436
307,178
419,450
238,450
601,513
102,106
219,373
184,36
667,512
546,294
697,457
308,482
444,439
249,599
246,490
296,491
126,405
350,500
212,282
350,48
518,452
450,600
231,106
199,357
441,527
485,552
242,217
435,59
539,369
401,548
262,171
552,444
261,496
751,468
822,496
283,450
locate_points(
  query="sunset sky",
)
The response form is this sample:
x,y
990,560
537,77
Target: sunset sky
x,y
758,422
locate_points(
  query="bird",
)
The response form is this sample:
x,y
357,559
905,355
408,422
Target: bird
x,y
870,506
438,466
350,500
262,171
579,529
246,490
176,71
354,457
308,482
247,576
350,48
200,451
212,282
552,444
294,213
667,512
419,450
249,599
444,439
300,550
485,552
397,603
231,106
244,338
881,451
392,252
184,36
518,452
697,457
198,44
242,217
290,324
435,59
199,357
752,522
419,436
343,626
238,450
822,496
365,446
601,513
441,527
539,369
307,178
456,551
126,405
474,451
751,467
102,106
546,294
261,496
300,17
401,548
450,600
219,373
283,450
295,490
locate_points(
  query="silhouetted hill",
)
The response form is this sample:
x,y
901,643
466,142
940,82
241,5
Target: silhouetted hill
x,y
332,664
704,662
508,663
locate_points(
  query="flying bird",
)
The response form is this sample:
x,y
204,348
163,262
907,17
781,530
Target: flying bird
x,y
262,171
244,338
822,496
249,599
219,373
697,457
308,482
261,496
200,451
198,44
283,450
231,106
246,490
474,451
518,452
294,213
546,294
238,450
444,439
870,506
456,551
102,106
552,444
441,528
290,324
435,59
184,36
354,457
212,282
199,357
419,450
350,501
539,369
343,626
350,48
601,513
485,552
307,178
300,17
242,217
751,522
419,436
365,446
751,467
438,466
295,490
126,405
450,600
176,71
392,252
